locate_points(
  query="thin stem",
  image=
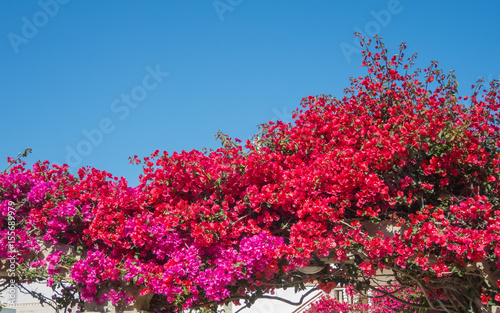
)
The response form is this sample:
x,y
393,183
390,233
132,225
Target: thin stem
x,y
283,300
413,305
419,284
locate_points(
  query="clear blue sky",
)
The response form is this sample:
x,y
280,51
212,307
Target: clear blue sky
x,y
167,75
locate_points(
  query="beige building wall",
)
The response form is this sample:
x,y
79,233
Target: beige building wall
x,y
12,298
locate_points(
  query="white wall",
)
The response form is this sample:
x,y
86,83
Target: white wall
x,y
275,306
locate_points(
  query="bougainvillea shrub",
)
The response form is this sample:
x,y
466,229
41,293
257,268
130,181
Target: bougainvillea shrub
x,y
372,302
400,174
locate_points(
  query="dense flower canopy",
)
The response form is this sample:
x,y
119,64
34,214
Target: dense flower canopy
x,y
401,151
